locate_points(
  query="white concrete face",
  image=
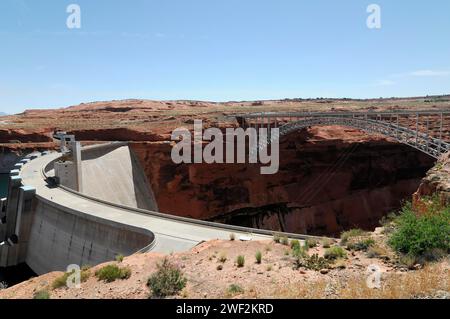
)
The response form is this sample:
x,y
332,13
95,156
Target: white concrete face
x,y
66,174
114,175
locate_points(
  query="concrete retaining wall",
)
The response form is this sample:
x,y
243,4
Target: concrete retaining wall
x,y
60,237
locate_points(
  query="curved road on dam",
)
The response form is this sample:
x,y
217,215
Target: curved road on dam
x,y
163,233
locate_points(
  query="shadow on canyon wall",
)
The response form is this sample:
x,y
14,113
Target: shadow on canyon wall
x,y
330,179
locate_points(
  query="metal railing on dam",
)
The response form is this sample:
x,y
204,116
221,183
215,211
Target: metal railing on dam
x,y
427,131
50,227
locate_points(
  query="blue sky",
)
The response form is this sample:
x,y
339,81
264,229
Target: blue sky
x,y
219,50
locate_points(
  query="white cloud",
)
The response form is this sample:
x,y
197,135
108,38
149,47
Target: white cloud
x,y
385,83
430,73
422,73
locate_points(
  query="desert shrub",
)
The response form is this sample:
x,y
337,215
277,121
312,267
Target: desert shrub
x,y
41,294
61,281
415,234
335,252
223,258
407,261
360,244
326,242
313,262
111,273
345,236
375,251
119,258
232,237
219,267
299,251
269,268
434,254
235,289
240,261
311,242
295,244
284,241
258,257
167,281
276,237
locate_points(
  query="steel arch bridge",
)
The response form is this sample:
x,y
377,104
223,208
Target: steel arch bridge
x,y
427,131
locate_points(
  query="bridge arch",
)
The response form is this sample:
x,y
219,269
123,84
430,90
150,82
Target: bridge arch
x,y
404,127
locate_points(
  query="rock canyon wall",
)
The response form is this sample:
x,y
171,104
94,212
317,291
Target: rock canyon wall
x,y
330,179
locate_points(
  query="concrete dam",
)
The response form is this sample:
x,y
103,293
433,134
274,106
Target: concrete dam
x,y
48,223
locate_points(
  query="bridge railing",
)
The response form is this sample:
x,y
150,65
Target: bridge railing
x,y
427,131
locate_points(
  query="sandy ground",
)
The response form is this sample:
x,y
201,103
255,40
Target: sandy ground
x,y
275,277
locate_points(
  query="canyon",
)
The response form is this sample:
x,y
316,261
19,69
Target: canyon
x,y
330,179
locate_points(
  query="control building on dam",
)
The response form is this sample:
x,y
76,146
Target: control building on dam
x,y
85,206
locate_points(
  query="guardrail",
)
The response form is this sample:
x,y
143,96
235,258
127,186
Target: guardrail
x,y
427,131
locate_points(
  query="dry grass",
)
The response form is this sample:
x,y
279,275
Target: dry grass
x,y
418,284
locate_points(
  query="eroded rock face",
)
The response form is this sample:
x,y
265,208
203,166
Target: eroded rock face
x,y
436,182
330,179
24,136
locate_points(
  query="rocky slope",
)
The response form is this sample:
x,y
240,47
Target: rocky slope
x,y
211,269
436,182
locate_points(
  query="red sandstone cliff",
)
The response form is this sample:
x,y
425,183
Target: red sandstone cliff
x,y
330,178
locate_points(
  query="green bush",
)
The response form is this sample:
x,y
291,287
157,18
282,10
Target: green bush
x,y
258,257
119,258
111,273
41,294
167,281
299,251
295,244
313,262
335,252
362,244
240,261
284,241
61,281
235,289
311,242
416,234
